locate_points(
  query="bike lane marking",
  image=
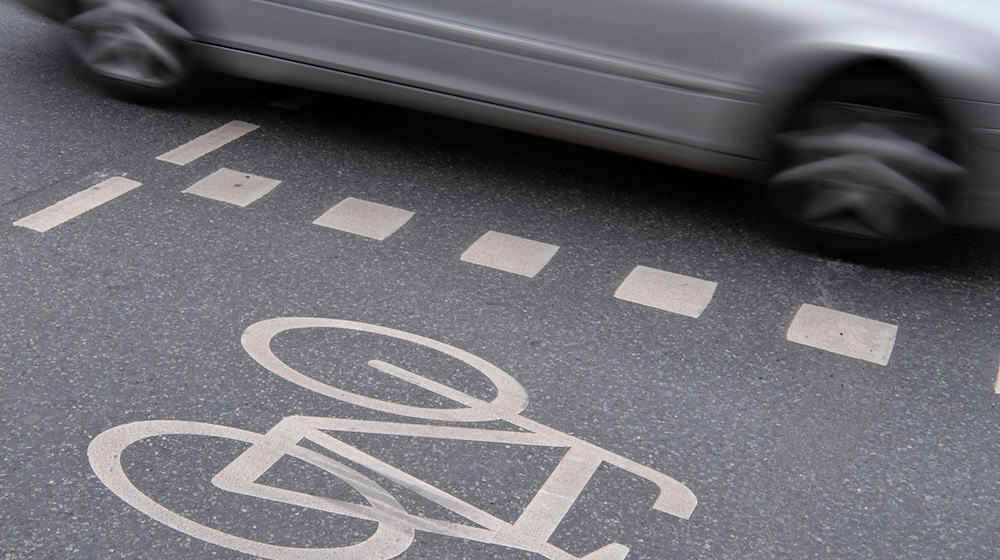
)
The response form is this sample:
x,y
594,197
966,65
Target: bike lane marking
x,y
364,218
389,540
996,382
77,204
395,529
509,253
508,404
843,333
207,143
234,187
667,291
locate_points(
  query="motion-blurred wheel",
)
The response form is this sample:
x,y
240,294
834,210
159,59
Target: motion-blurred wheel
x,y
865,178
135,48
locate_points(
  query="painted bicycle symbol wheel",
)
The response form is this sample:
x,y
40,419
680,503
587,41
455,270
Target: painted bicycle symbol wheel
x,y
511,398
388,541
395,527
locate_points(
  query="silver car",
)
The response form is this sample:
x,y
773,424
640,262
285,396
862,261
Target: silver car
x,y
872,123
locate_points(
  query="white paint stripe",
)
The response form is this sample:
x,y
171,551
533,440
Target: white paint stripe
x,y
996,383
843,333
509,401
364,218
234,187
428,431
405,480
395,529
77,204
539,520
207,143
510,253
297,100
668,291
105,453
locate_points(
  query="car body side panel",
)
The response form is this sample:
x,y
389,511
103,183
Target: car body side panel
x,y
700,83
266,68
675,73
469,61
685,37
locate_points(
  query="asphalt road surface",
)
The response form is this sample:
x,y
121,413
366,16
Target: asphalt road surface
x,y
337,329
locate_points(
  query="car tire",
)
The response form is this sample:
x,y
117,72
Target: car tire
x,y
864,166
135,49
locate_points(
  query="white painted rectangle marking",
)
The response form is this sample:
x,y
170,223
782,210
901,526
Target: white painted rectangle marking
x,y
234,187
510,253
668,291
364,218
207,143
296,101
843,333
77,204
996,383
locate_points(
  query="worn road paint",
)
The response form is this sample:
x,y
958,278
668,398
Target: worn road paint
x,y
510,253
996,383
207,143
77,204
234,187
395,527
843,333
667,291
364,218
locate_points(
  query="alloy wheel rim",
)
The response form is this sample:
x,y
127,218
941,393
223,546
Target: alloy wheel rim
x,y
131,40
865,172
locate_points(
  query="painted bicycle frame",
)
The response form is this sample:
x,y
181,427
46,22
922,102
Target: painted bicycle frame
x,y
396,527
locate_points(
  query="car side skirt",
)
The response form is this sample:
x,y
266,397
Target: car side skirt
x,y
271,69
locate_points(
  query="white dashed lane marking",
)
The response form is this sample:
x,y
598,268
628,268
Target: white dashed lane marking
x,y
510,253
207,143
843,333
817,327
996,383
361,217
234,187
296,101
77,204
668,291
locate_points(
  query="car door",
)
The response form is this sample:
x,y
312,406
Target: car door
x,y
652,67
658,67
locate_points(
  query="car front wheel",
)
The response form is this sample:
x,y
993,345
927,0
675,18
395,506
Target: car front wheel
x,y
864,178
135,48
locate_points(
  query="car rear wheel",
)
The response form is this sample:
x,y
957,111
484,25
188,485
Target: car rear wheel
x,y
866,172
135,48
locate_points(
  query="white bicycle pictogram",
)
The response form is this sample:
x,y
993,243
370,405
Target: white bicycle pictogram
x,y
396,527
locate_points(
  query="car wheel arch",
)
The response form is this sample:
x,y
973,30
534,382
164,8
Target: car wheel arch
x,y
787,80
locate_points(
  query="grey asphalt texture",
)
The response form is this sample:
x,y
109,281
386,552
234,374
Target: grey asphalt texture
x,y
134,311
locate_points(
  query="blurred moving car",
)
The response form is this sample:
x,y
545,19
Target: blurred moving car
x,y
872,123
